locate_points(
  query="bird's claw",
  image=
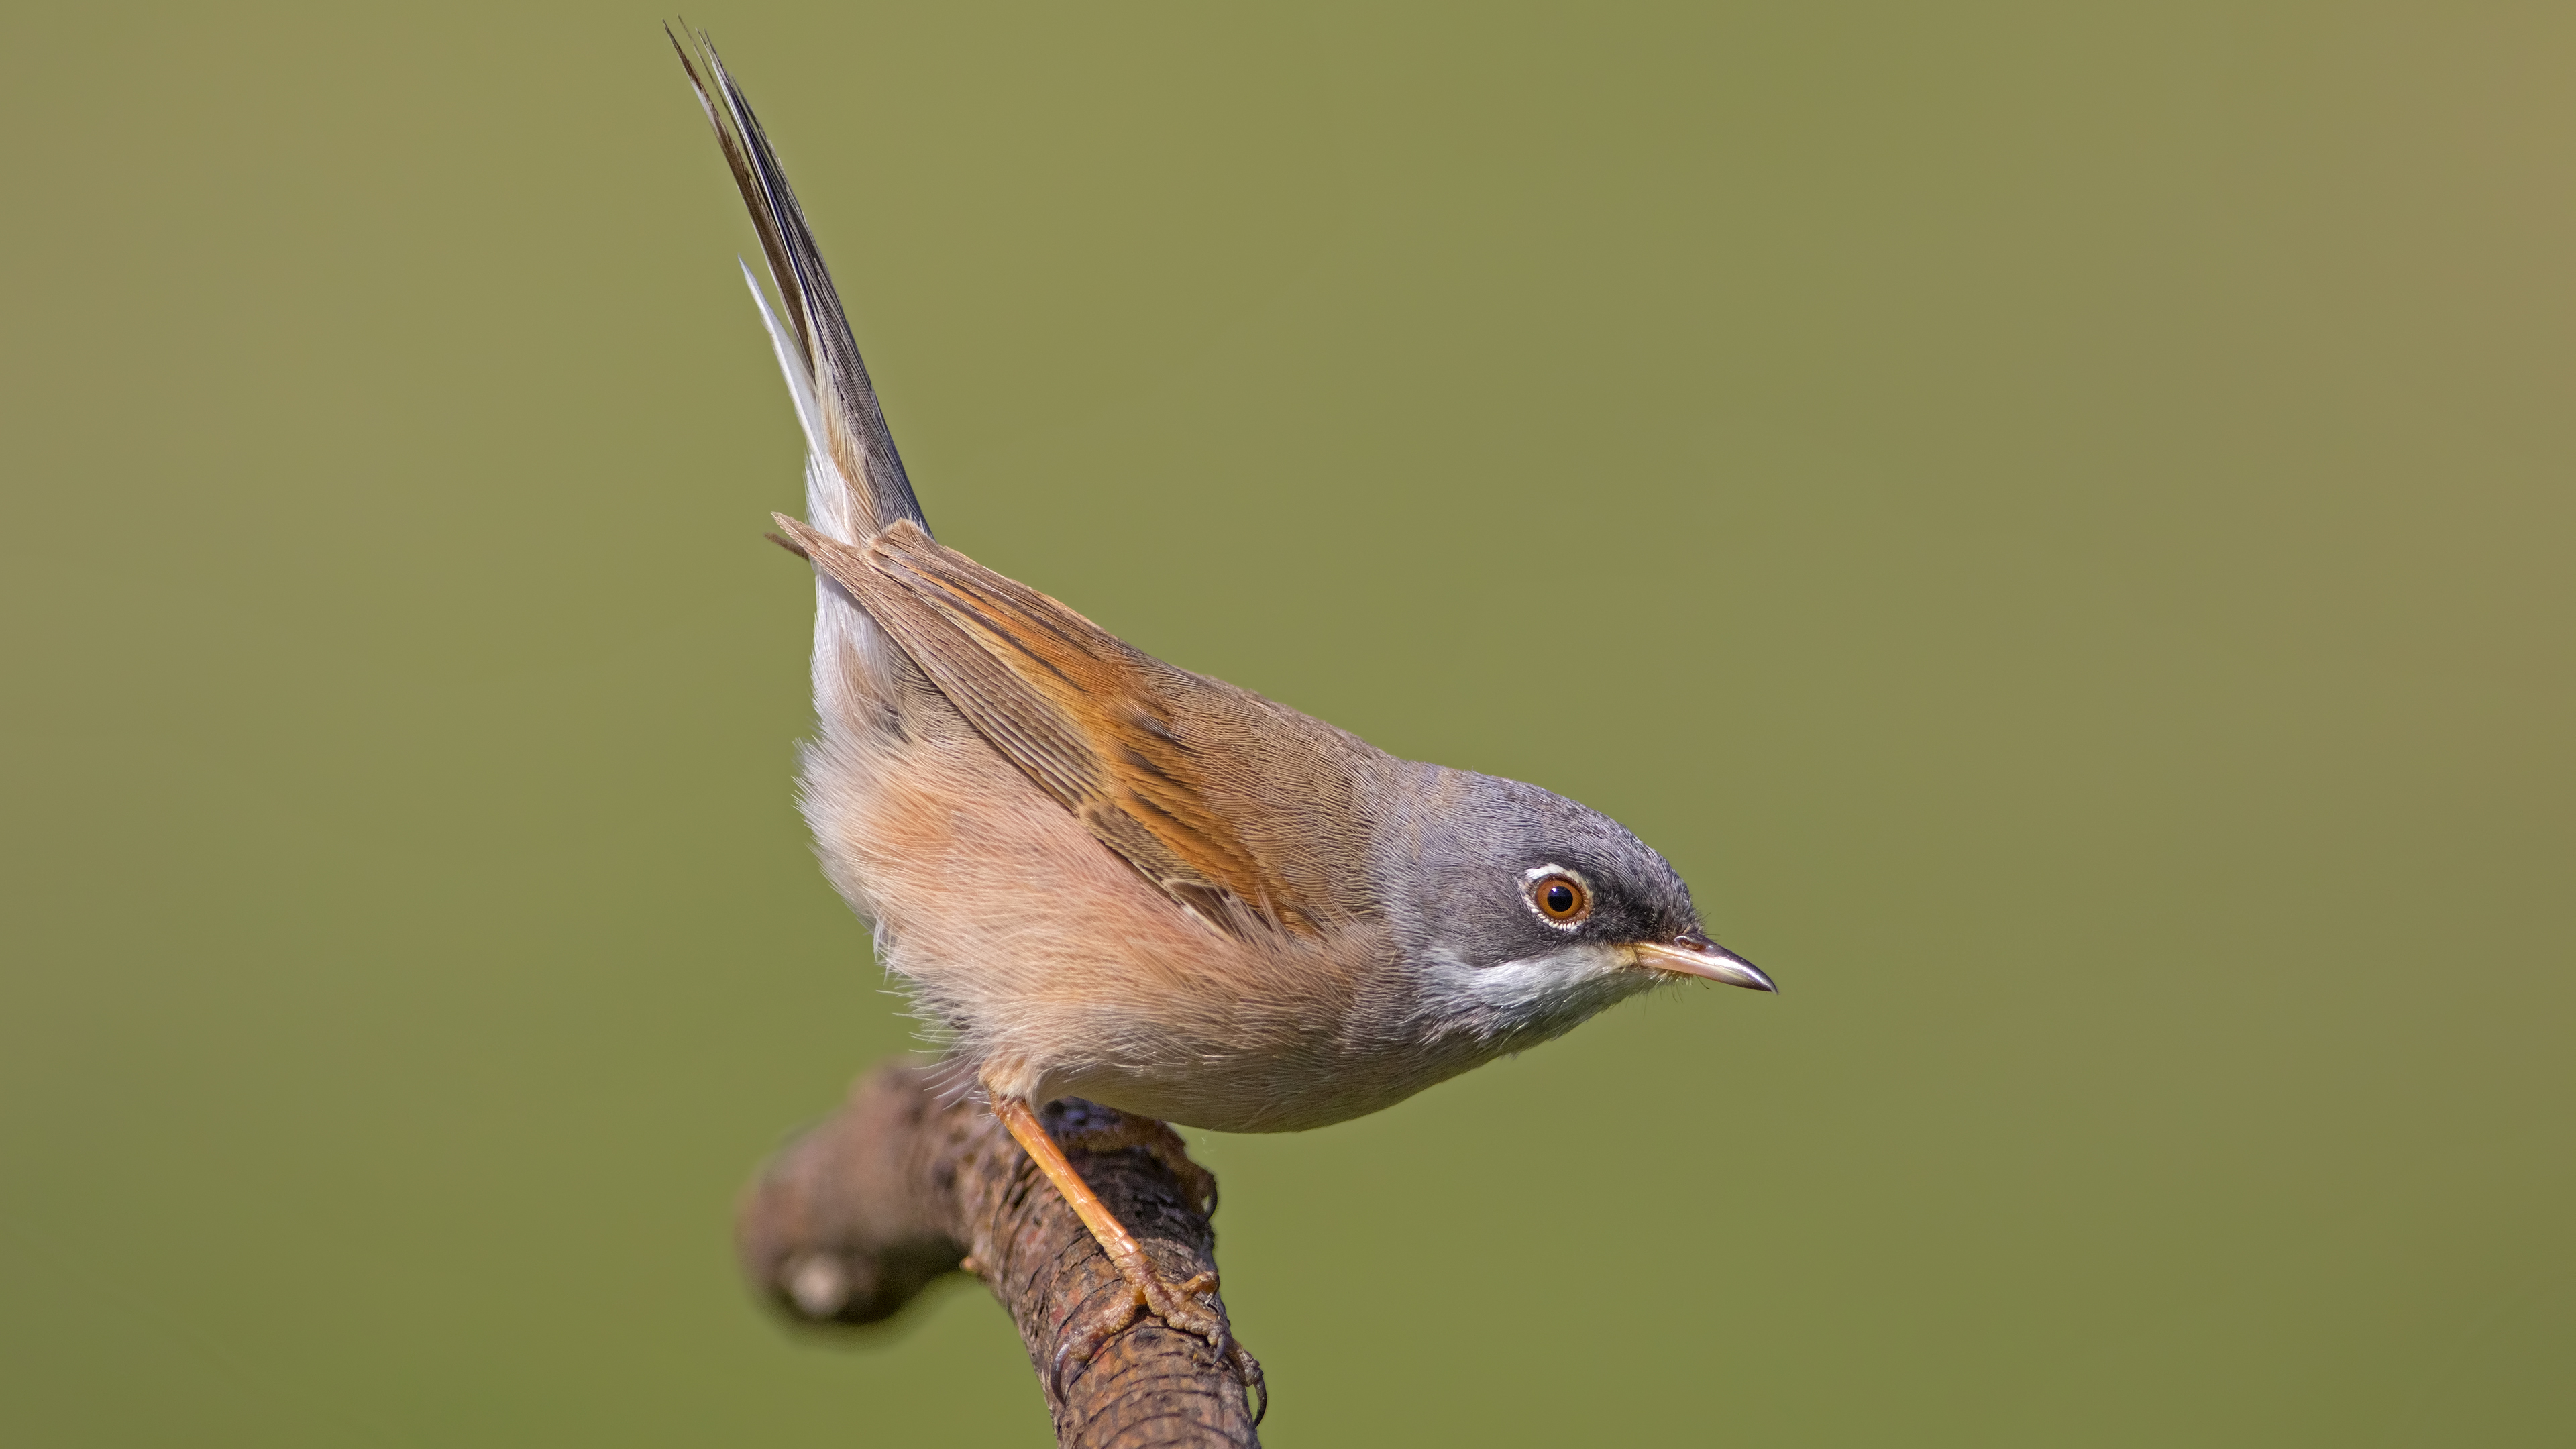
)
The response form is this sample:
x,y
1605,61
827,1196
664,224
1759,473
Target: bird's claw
x,y
1248,1369
1184,1308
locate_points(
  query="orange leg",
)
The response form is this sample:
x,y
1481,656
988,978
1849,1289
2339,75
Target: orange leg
x,y
1180,1304
1157,1140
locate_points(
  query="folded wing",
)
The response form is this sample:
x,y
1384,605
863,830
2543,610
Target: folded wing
x,y
1104,728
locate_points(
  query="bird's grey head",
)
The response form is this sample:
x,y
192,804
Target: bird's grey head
x,y
1522,913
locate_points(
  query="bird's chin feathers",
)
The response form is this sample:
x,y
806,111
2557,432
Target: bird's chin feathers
x,y
1516,1004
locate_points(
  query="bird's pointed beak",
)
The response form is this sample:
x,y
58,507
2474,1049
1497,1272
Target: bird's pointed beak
x,y
1692,954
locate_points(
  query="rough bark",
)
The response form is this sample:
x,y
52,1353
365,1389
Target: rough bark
x,y
851,1220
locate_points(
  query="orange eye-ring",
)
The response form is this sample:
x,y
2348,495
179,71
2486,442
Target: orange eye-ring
x,y
1560,898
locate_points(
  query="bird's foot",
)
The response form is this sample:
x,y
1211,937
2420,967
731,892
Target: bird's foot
x,y
1188,1306
1185,1307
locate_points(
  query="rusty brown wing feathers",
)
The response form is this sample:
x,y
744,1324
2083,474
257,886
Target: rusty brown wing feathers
x,y
1096,723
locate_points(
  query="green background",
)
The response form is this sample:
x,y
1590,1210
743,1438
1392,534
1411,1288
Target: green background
x,y
2057,519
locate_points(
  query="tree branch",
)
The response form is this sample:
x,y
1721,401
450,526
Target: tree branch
x,y
854,1218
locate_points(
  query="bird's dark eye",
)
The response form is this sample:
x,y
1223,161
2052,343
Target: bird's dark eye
x,y
1560,898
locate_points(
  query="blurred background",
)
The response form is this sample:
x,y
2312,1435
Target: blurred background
x,y
2057,519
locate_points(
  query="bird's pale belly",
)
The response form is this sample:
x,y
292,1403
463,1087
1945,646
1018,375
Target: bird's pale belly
x,y
1319,1084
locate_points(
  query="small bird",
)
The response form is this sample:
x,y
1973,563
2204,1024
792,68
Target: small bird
x,y
1102,876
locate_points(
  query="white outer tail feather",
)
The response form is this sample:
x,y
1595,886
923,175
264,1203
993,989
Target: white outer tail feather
x,y
849,649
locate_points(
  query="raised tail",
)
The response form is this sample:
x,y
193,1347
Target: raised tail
x,y
854,479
